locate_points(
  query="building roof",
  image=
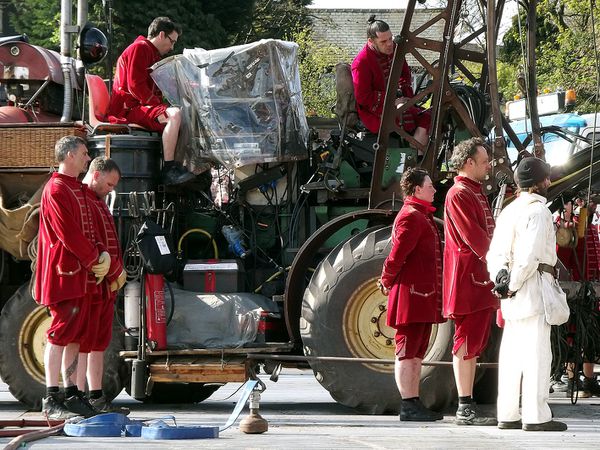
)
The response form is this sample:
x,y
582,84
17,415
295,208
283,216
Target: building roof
x,y
347,28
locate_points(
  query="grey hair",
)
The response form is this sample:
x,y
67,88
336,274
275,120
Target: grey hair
x,y
65,145
465,150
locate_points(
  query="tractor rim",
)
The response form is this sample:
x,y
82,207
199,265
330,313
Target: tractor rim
x,y
32,342
365,328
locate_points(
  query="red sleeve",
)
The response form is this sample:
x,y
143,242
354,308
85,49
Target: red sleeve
x,y
460,209
67,229
405,82
366,96
138,76
405,235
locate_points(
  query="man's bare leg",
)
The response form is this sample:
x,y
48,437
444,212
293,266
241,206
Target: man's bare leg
x,y
171,132
421,136
95,369
82,364
464,372
408,376
52,361
69,364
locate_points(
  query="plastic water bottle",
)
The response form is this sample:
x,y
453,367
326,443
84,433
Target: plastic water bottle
x,y
235,240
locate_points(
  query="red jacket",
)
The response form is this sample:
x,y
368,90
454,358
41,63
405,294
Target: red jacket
x,y
469,225
413,269
108,235
573,259
133,85
67,242
370,72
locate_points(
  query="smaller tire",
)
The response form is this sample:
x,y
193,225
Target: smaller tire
x,y
23,325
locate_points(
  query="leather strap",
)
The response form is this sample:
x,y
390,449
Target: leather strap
x,y
549,269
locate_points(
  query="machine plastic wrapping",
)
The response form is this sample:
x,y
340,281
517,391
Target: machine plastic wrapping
x,y
216,320
241,105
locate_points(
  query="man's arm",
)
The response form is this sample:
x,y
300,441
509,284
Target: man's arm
x,y
405,235
138,76
529,248
459,209
365,95
67,227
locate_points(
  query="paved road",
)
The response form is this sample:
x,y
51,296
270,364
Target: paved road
x,y
301,415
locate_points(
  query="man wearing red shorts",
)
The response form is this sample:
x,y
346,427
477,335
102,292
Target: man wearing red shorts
x,y
69,262
102,177
468,298
136,98
412,280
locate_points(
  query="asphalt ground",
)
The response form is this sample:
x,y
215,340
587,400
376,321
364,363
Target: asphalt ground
x,y
302,415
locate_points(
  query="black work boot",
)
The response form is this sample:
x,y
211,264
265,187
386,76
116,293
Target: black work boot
x,y
466,414
102,405
79,405
552,425
176,174
54,409
415,411
591,388
512,425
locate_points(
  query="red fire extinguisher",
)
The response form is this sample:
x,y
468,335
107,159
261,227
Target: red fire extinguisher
x,y
156,314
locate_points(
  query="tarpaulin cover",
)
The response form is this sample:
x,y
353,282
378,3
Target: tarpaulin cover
x,y
241,105
216,320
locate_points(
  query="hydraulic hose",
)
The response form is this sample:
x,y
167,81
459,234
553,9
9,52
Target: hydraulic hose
x,y
201,231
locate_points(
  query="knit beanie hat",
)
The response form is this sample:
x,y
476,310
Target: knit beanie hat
x,y
531,171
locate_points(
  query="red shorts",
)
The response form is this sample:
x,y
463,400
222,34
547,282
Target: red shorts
x,y
412,340
147,116
472,330
69,321
99,330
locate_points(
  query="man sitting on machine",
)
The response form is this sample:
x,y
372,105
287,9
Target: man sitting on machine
x,y
136,98
370,72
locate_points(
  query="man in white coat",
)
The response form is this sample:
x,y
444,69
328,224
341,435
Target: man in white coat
x,y
521,258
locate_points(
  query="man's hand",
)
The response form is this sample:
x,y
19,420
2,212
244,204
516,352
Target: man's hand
x,y
501,285
119,282
100,269
382,288
400,101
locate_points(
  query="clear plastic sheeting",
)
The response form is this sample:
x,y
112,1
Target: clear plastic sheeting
x,y
216,320
241,105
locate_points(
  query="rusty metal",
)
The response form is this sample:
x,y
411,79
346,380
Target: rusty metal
x,y
355,360
444,100
294,287
538,145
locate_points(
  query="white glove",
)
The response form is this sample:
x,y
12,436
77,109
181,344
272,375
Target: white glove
x,y
100,269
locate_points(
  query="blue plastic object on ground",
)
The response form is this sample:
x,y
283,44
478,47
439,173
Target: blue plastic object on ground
x,y
159,429
102,425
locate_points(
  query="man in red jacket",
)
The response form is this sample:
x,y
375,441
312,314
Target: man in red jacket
x,y
136,98
70,261
468,297
412,279
370,72
102,178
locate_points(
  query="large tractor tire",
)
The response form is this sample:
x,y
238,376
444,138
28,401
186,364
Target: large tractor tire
x,y
23,325
344,314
